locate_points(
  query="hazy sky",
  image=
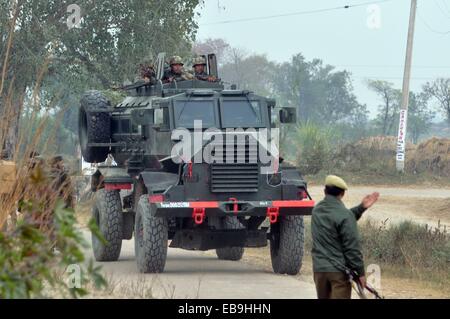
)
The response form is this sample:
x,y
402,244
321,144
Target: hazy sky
x,y
369,45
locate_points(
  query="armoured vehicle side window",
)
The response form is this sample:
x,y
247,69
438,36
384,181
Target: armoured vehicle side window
x,y
241,113
186,112
125,126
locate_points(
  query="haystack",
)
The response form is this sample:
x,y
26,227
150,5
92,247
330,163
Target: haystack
x,y
372,150
432,156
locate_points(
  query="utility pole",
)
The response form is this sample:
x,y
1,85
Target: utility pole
x,y
402,128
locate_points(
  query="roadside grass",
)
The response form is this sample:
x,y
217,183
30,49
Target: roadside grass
x,y
414,259
406,250
83,213
41,249
409,250
381,177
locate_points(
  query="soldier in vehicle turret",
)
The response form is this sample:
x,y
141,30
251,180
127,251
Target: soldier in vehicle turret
x,y
199,64
176,71
147,71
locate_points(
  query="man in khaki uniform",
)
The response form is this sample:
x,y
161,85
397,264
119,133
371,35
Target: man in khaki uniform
x,y
336,241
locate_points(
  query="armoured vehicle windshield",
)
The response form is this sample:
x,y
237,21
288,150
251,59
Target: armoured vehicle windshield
x,y
186,112
241,113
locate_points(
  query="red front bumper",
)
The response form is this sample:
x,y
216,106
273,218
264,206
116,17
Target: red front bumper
x,y
201,209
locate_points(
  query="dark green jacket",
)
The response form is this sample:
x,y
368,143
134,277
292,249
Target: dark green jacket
x,y
335,236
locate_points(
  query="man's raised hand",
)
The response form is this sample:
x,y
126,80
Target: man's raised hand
x,y
369,200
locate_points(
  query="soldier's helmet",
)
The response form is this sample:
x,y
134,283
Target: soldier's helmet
x,y
198,61
176,60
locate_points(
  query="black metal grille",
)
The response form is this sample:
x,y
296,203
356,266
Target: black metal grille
x,y
234,153
233,178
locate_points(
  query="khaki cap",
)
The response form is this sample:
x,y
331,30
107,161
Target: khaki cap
x,y
336,181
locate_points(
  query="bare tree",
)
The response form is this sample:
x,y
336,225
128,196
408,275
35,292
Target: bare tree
x,y
440,90
218,46
388,110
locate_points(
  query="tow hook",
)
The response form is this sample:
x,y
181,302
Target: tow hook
x,y
235,204
273,213
199,215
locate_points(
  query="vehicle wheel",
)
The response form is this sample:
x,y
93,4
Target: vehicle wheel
x,y
107,214
286,245
94,127
231,253
150,238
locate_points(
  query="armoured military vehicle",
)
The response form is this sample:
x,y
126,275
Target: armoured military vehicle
x,y
227,203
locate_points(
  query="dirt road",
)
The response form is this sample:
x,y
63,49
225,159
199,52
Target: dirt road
x,y
202,275
191,275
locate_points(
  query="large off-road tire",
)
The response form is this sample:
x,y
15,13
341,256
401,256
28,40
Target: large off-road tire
x,y
94,127
286,245
108,215
150,238
231,253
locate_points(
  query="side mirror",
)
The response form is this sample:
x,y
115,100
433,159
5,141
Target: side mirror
x,y
288,115
143,116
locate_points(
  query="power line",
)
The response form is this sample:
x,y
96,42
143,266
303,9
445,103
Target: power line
x,y
446,7
444,12
297,13
431,28
393,77
391,66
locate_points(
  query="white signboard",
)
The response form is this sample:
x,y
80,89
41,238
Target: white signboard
x,y
401,141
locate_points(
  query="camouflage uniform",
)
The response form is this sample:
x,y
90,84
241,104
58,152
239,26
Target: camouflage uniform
x,y
202,76
61,182
147,71
170,75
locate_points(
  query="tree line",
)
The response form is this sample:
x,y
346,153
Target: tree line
x,y
325,96
46,64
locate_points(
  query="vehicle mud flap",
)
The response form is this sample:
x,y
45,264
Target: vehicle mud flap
x,y
128,225
231,253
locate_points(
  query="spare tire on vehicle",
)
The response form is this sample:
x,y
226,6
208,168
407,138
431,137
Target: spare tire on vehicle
x,y
94,126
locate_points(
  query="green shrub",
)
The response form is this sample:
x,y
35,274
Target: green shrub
x,y
38,246
33,264
315,148
423,250
416,250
